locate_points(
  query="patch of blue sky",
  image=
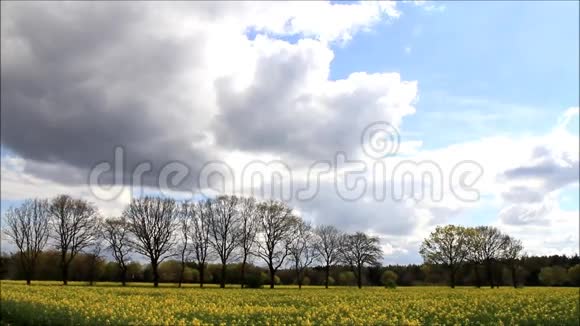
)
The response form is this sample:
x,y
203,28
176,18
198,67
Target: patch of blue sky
x,y
569,198
483,68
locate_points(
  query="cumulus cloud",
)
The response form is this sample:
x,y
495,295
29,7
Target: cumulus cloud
x,y
552,166
17,185
70,95
555,170
195,82
530,213
292,108
180,82
187,82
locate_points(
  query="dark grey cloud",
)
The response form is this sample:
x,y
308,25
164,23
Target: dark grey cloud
x,y
553,170
529,203
521,194
526,214
80,79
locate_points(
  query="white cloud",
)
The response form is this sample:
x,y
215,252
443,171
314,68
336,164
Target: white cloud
x,y
18,185
429,5
202,90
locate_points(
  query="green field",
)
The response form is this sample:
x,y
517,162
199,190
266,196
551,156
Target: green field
x,y
107,303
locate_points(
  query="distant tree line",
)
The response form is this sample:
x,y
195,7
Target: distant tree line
x,y
484,254
243,241
530,268
453,246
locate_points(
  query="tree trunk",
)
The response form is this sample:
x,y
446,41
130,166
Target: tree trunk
x,y
243,276
123,276
30,272
223,278
298,279
201,274
64,271
514,277
477,277
490,273
181,272
359,277
452,277
272,276
326,275
28,275
92,271
155,275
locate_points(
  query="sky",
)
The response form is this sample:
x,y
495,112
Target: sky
x,y
481,97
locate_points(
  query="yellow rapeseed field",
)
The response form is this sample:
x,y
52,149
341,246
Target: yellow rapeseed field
x,y
46,303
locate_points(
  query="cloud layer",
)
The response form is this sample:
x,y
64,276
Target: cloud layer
x,y
235,82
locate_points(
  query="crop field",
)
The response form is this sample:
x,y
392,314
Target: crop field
x,y
46,303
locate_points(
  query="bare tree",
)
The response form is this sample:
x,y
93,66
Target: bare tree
x,y
328,247
447,245
117,236
74,222
248,229
358,250
27,226
276,224
198,213
302,250
493,243
153,222
224,229
183,249
511,252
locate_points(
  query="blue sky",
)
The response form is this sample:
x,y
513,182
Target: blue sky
x,y
236,81
508,54
485,68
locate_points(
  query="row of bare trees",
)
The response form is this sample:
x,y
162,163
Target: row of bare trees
x,y
223,229
483,246
72,223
